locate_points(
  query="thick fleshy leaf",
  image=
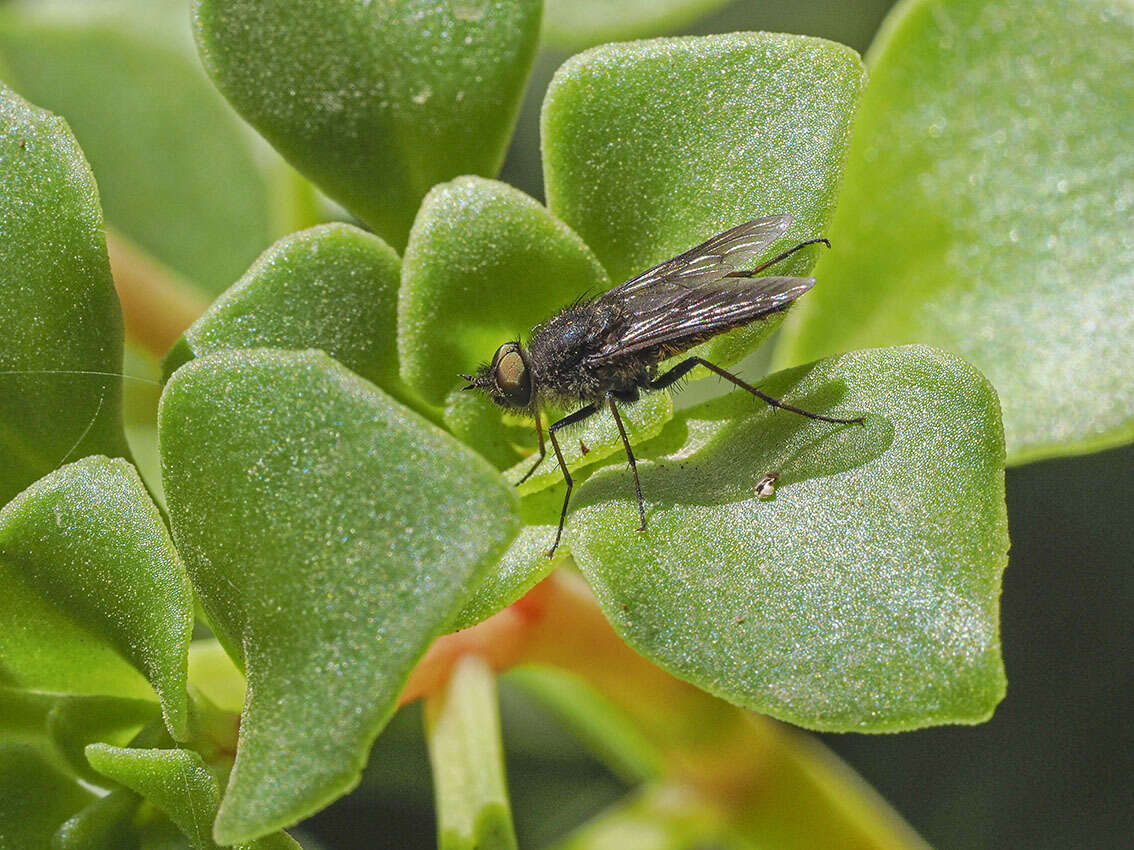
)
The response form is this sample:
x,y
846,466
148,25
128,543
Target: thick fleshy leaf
x,y
649,148
462,726
35,798
96,600
485,263
522,566
332,287
863,595
987,210
375,102
577,24
331,534
181,786
177,172
59,311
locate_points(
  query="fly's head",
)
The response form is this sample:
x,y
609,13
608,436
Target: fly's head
x,y
507,379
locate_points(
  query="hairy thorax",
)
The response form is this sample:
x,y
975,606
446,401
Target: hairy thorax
x,y
559,352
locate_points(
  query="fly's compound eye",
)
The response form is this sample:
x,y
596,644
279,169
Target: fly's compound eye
x,y
511,374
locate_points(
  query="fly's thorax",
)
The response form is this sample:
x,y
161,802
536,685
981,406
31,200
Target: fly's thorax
x,y
562,355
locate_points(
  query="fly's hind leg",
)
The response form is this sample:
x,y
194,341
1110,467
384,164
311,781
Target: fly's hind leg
x,y
681,369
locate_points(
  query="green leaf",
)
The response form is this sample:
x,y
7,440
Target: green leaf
x,y
333,287
375,102
35,798
987,208
95,595
331,536
177,171
484,264
75,722
181,786
864,595
462,726
59,311
105,824
652,147
577,24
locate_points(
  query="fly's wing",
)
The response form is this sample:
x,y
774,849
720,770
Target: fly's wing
x,y
679,322
710,261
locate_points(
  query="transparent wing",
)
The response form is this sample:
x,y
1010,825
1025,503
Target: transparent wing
x,y
677,323
710,261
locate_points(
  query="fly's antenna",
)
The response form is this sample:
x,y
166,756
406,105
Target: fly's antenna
x,y
782,256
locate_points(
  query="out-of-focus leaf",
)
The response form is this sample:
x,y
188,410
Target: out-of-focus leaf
x,y
104,824
178,783
652,147
176,171
212,672
331,535
462,726
660,817
332,287
35,798
59,312
987,210
578,24
75,722
864,595
375,102
96,600
606,731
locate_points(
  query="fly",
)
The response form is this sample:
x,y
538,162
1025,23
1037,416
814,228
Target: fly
x,y
607,351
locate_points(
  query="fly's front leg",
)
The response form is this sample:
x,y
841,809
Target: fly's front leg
x,y
542,451
578,416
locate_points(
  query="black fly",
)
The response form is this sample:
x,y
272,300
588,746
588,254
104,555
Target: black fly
x,y
607,350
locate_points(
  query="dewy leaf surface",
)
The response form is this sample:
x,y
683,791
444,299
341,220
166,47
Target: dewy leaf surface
x,y
331,535
333,287
59,311
987,210
864,595
95,595
375,102
176,170
179,784
650,148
